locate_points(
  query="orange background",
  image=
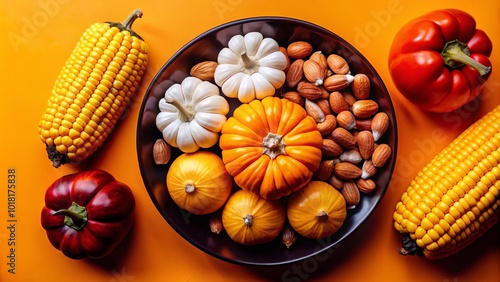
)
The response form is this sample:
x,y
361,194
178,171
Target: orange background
x,y
37,37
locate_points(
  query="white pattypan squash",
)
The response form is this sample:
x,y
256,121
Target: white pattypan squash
x,y
192,114
250,67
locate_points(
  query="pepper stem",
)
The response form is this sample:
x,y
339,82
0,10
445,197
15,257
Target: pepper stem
x,y
75,216
186,112
456,54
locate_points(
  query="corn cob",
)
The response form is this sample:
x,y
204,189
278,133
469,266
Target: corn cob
x,y
455,198
92,90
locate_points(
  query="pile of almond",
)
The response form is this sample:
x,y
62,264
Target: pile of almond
x,y
347,117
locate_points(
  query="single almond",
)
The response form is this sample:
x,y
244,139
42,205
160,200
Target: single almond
x,y
330,148
337,102
364,108
363,124
324,104
368,169
309,90
381,155
215,223
380,124
314,111
295,73
343,137
204,70
351,156
313,72
337,64
327,126
337,82
294,96
366,185
351,193
346,120
299,49
320,58
325,170
161,152
366,144
288,236
349,98
336,182
346,170
288,62
361,86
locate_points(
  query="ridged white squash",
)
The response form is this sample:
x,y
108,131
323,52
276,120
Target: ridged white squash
x,y
192,114
251,67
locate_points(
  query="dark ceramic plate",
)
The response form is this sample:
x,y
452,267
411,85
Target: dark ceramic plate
x,y
206,47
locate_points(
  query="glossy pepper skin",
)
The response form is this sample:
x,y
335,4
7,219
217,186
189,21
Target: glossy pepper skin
x,y
87,214
440,61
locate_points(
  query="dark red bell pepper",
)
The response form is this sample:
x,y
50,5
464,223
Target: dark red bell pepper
x,y
87,214
440,61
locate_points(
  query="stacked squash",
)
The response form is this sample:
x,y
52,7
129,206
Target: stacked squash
x,y
271,148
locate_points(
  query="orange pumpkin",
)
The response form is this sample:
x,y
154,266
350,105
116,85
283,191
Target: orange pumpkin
x,y
316,211
198,182
251,220
271,147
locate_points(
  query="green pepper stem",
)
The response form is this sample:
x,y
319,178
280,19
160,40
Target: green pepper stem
x,y
75,216
456,54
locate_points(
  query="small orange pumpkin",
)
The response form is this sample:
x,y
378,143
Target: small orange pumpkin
x,y
198,182
316,211
271,147
251,220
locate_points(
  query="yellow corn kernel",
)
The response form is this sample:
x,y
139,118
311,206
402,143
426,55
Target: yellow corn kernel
x,y
455,198
89,77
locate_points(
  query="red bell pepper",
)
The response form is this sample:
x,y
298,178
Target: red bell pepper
x,y
440,61
87,214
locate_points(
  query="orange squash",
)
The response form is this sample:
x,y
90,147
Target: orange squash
x,y
271,147
316,211
198,182
251,220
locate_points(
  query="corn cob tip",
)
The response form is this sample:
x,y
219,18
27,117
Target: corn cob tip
x,y
409,246
57,158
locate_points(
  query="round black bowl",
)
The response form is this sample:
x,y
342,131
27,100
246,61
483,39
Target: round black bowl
x,y
195,228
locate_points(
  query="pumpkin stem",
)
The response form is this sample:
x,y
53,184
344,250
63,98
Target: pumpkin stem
x,y
189,188
186,112
322,216
247,220
249,65
273,145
